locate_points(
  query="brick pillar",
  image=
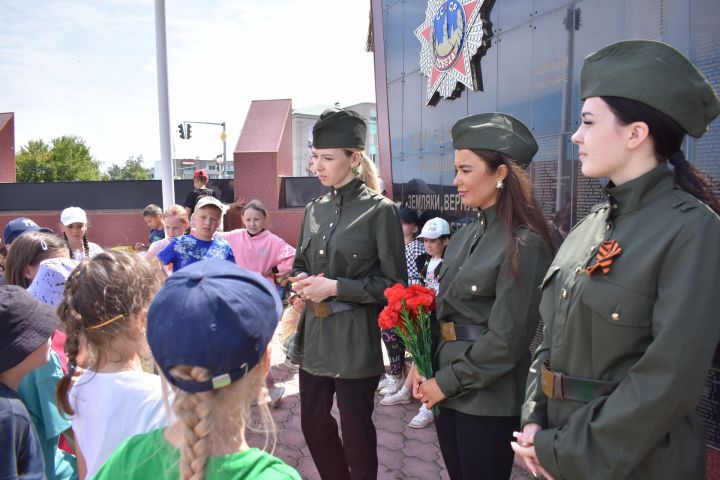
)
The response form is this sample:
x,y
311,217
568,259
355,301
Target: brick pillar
x,y
7,147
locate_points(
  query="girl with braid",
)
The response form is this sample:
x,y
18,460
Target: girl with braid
x,y
104,312
74,228
208,328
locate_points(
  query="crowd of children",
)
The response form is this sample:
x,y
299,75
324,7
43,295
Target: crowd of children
x,y
82,401
64,416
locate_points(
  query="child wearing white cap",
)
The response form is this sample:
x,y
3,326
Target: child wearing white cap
x,y
74,227
435,236
201,244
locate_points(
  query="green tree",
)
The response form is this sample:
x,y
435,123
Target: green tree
x,y
33,162
66,159
132,170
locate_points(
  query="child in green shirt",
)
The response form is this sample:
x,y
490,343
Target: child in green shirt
x,y
208,329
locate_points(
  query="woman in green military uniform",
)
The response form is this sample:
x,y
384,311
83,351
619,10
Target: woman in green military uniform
x,y
351,249
488,300
630,303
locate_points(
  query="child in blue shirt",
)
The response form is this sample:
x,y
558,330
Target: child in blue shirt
x,y
188,249
152,214
26,325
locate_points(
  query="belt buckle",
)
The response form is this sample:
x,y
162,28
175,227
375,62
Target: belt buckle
x,y
447,331
320,309
551,383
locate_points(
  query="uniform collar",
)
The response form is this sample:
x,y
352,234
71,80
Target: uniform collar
x,y
637,192
486,217
348,190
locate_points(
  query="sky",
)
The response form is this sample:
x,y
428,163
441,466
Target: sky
x,y
88,68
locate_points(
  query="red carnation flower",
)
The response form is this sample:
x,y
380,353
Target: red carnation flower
x,y
388,318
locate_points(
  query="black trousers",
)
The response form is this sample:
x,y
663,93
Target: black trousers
x,y
476,447
355,456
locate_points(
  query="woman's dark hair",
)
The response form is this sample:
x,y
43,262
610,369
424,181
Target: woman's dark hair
x,y
667,137
516,205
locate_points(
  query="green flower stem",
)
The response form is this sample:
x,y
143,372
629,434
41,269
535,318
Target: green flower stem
x,y
415,334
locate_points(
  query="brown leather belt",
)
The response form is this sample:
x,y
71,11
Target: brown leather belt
x,y
326,309
451,331
558,386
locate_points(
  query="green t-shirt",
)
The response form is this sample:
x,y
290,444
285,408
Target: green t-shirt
x,y
150,456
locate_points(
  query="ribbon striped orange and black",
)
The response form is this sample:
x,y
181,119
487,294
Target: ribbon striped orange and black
x,y
609,249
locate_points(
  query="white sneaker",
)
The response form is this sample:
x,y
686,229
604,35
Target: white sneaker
x,y
383,382
424,418
275,394
393,385
404,395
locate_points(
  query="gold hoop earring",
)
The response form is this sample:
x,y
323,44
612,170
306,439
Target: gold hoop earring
x,y
499,184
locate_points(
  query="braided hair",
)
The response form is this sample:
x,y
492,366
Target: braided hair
x,y
204,414
100,309
86,244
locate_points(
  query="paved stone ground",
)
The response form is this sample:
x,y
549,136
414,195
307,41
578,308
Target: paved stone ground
x,y
404,453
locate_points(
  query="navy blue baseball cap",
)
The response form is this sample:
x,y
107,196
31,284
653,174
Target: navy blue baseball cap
x,y
25,325
409,215
18,226
215,315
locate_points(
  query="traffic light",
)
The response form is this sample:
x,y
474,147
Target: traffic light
x,y
188,130
182,131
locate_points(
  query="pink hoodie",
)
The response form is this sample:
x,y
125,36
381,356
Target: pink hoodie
x,y
261,252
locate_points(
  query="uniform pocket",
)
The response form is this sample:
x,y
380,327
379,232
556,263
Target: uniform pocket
x,y
547,301
305,243
475,285
356,250
617,305
549,275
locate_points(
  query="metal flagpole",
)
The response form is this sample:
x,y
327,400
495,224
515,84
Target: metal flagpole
x,y
166,167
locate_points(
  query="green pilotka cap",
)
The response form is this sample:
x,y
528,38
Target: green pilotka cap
x,y
498,132
656,74
339,128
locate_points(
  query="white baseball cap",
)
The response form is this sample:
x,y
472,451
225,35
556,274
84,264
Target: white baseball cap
x,y
73,215
210,200
435,228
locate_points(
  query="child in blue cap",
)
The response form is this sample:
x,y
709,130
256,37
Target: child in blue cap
x,y
208,328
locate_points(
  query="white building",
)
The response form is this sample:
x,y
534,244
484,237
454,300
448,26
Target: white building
x,y
303,120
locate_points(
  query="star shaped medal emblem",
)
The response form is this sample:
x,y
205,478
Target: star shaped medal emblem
x,y
453,33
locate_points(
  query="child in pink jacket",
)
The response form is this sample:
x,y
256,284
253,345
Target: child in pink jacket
x,y
259,250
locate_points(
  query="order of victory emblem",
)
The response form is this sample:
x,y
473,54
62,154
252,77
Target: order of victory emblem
x,y
453,33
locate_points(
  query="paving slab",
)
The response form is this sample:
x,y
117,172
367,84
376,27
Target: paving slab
x,y
404,453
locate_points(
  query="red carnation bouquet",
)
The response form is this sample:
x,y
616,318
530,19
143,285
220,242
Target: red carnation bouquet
x,y
408,313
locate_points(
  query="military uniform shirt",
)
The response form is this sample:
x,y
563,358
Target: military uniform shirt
x,y
487,376
352,235
651,324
